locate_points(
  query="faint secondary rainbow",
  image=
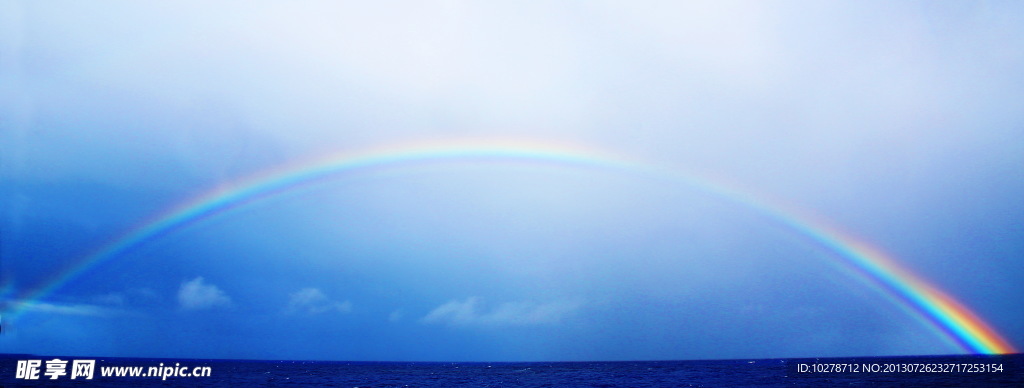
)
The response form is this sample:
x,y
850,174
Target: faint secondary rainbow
x,y
954,321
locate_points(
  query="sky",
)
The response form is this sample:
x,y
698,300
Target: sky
x,y
899,124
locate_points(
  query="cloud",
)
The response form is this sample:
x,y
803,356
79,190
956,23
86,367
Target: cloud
x,y
195,295
313,301
66,309
468,313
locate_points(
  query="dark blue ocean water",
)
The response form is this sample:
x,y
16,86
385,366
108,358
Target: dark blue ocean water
x,y
944,371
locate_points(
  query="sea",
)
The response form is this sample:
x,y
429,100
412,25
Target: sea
x,y
16,370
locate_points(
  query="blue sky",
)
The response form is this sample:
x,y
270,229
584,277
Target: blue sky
x,y
899,123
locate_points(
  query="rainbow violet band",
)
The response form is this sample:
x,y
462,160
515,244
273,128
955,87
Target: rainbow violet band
x,y
954,321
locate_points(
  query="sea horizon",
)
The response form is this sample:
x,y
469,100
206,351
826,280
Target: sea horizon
x,y
9,355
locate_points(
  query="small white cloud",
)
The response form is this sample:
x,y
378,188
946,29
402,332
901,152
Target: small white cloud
x,y
195,295
127,298
68,309
313,301
468,312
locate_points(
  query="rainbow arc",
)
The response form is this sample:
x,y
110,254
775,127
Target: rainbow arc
x,y
955,321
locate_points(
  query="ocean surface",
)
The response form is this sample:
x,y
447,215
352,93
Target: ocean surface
x,y
929,371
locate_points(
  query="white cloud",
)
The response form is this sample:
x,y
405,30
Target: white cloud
x,y
68,309
468,312
313,301
195,295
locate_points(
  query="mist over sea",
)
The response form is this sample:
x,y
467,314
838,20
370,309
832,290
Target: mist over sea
x,y
949,371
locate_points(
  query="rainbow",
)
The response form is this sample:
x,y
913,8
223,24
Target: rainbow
x,y
955,323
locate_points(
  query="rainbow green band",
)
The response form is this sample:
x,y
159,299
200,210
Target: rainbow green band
x,y
955,322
